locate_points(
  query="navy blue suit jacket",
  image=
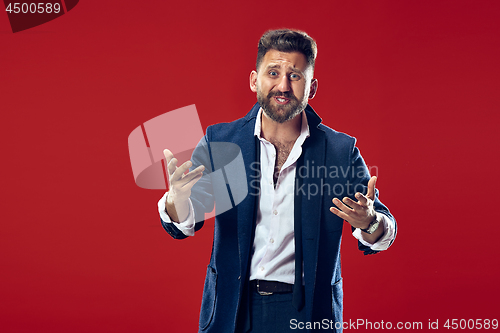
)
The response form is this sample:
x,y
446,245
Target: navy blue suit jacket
x,y
334,167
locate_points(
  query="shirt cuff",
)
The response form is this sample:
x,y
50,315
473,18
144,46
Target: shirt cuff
x,y
386,240
186,226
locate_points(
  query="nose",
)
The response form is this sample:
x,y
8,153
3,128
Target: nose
x,y
284,84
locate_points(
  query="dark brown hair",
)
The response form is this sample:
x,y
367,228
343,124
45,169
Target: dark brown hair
x,y
287,40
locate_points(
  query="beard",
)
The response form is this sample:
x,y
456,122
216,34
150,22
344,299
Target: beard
x,y
281,113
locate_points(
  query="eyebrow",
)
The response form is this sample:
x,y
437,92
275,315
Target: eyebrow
x,y
276,66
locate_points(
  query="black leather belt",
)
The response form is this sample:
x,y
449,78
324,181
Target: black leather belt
x,y
264,287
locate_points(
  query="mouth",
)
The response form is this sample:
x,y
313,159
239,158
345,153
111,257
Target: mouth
x,y
281,100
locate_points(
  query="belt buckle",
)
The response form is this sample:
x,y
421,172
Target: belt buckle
x,y
262,293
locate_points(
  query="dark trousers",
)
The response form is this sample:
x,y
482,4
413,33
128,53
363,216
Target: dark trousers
x,y
271,314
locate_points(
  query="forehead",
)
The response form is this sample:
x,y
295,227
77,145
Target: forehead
x,y
293,60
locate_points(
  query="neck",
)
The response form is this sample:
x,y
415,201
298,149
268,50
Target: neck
x,y
283,132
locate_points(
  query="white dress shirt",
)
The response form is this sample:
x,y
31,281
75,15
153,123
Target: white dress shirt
x,y
274,247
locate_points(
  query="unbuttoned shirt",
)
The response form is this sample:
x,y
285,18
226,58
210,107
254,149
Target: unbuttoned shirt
x,y
273,256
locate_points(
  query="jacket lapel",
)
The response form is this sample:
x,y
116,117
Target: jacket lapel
x,y
314,156
246,210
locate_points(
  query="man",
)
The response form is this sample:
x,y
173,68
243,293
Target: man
x,y
275,263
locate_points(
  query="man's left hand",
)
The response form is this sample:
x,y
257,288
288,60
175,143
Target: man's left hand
x,y
361,213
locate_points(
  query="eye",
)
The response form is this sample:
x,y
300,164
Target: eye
x,y
294,77
273,73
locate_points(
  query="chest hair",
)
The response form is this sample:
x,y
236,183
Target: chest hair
x,y
283,149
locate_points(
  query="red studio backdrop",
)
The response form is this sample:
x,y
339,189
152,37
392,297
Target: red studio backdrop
x,y
82,248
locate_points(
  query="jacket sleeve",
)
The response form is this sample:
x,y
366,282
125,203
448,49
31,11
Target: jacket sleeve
x,y
202,198
359,179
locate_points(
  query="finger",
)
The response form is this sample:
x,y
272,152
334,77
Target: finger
x,y
192,181
339,213
199,169
190,176
341,206
371,188
168,155
179,172
363,200
172,166
351,203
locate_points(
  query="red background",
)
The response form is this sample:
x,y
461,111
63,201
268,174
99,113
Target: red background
x,y
82,248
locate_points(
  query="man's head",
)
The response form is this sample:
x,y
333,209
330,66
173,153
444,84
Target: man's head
x,y
284,80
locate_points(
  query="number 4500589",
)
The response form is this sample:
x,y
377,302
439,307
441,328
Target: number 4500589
x,y
33,8
471,324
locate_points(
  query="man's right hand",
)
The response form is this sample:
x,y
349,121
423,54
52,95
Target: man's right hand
x,y
179,186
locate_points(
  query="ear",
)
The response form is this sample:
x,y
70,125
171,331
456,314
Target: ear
x,y
313,88
253,81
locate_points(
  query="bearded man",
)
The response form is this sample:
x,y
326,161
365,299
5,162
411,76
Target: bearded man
x,y
275,264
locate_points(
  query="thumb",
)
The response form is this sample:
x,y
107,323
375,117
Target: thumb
x,y
168,155
371,188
